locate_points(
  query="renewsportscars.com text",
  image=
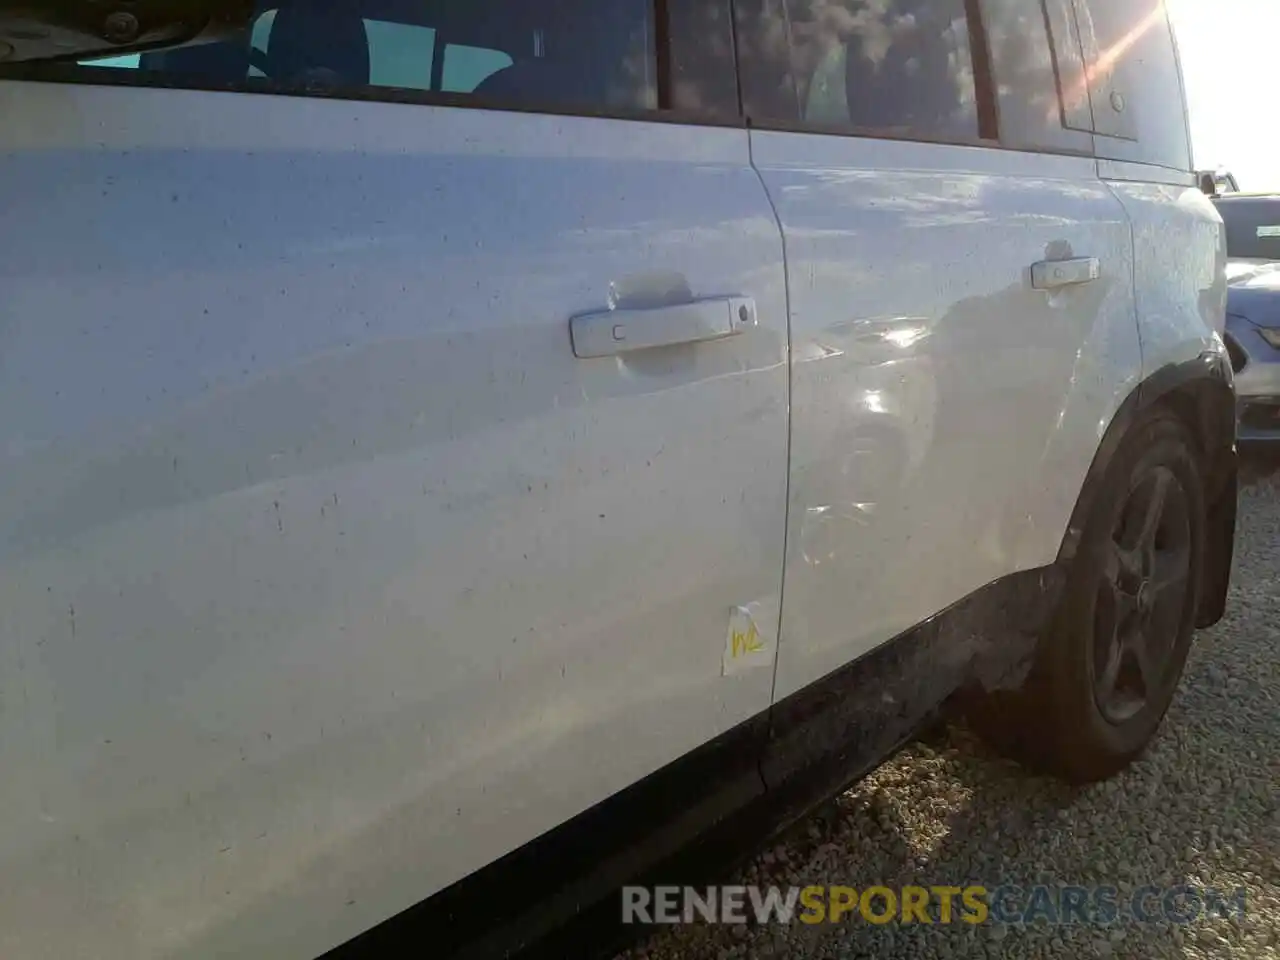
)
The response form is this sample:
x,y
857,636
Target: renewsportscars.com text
x,y
971,904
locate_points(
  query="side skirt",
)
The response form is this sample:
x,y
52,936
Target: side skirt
x,y
694,820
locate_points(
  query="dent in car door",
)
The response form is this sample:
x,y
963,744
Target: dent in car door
x,y
329,574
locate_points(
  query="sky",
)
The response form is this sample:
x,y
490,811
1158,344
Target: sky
x,y
1229,48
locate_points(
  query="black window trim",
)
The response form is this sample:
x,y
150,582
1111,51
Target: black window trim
x,y
662,52
984,80
439,45
870,133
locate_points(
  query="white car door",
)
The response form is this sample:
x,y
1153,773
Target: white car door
x,y
328,572
962,308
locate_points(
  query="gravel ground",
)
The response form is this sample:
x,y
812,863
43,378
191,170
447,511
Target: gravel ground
x,y
1201,808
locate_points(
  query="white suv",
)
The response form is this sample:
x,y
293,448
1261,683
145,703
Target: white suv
x,y
477,453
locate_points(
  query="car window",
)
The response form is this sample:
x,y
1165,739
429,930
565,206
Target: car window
x,y
1025,74
891,66
401,55
465,68
1135,82
1253,227
127,62
558,54
259,34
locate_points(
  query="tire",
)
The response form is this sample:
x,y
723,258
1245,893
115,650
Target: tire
x,y
1108,667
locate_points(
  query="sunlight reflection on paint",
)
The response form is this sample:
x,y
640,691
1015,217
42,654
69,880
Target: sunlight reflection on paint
x,y
906,336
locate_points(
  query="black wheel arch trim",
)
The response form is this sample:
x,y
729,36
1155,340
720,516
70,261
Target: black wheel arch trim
x,y
1201,392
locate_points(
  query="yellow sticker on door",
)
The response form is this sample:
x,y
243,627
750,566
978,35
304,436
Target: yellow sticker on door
x,y
745,646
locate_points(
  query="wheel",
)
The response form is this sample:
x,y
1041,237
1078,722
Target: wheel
x,y
1107,669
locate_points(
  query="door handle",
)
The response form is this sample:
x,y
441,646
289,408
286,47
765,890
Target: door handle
x,y
611,332
1052,274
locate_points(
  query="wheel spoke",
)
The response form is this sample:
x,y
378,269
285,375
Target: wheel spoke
x,y
1170,581
1152,511
1170,573
1147,567
1112,565
1123,607
1161,628
1106,682
1121,566
1139,648
1115,608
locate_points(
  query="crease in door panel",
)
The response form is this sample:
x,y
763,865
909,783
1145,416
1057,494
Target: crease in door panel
x,y
1133,270
786,523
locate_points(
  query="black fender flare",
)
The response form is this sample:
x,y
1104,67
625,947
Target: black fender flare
x,y
1201,392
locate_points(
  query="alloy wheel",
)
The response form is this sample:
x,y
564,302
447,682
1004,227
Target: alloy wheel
x,y
1146,574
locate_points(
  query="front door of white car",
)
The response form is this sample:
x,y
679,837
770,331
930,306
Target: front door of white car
x,y
329,572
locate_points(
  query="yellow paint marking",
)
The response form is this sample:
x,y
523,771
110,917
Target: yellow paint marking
x,y
743,643
745,646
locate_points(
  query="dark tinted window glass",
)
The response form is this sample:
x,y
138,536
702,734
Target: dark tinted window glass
x,y
1136,87
700,70
593,55
1025,78
1253,227
895,66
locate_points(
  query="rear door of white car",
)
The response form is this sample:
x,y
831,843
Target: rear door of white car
x,y
328,572
962,313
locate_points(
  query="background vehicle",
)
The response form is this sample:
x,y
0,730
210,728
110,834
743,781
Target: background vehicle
x,y
450,453
1253,310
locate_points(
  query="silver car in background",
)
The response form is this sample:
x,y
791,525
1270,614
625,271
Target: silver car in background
x,y
1253,311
